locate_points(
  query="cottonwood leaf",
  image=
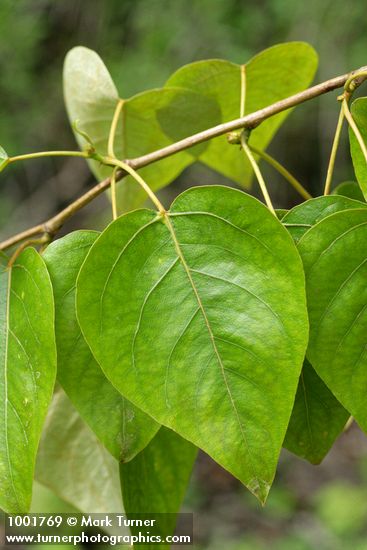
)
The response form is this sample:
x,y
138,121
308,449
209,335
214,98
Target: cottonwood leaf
x,y
74,464
349,189
91,97
185,318
122,428
303,216
317,418
334,254
155,482
270,76
359,113
27,373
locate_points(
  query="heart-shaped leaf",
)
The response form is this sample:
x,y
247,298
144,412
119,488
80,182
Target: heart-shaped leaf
x,y
91,98
349,189
302,217
317,418
27,373
155,482
122,428
334,254
186,316
268,77
359,113
74,464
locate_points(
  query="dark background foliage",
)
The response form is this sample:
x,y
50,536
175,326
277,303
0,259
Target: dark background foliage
x,y
142,42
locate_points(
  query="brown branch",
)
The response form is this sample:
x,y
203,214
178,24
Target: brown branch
x,y
51,226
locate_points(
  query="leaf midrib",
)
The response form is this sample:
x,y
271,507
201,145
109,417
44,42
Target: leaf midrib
x,y
212,338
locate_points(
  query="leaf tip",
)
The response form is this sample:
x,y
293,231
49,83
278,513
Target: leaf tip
x,y
260,488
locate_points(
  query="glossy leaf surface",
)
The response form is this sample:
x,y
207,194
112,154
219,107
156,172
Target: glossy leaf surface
x,y
334,254
273,74
74,464
184,316
156,480
27,373
302,217
122,428
317,418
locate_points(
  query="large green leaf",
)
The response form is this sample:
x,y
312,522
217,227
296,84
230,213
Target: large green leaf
x,y
186,316
302,217
74,464
268,77
155,482
359,113
334,254
317,418
27,373
349,189
121,427
91,98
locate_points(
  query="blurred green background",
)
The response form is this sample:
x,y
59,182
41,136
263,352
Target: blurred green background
x,y
142,42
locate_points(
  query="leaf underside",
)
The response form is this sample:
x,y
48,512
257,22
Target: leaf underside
x,y
91,98
270,76
122,428
195,98
74,464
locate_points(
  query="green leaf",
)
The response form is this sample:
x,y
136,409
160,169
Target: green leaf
x,y
302,217
180,312
91,98
4,259
4,159
155,482
270,76
122,428
317,418
359,114
280,213
27,373
334,254
73,463
349,189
